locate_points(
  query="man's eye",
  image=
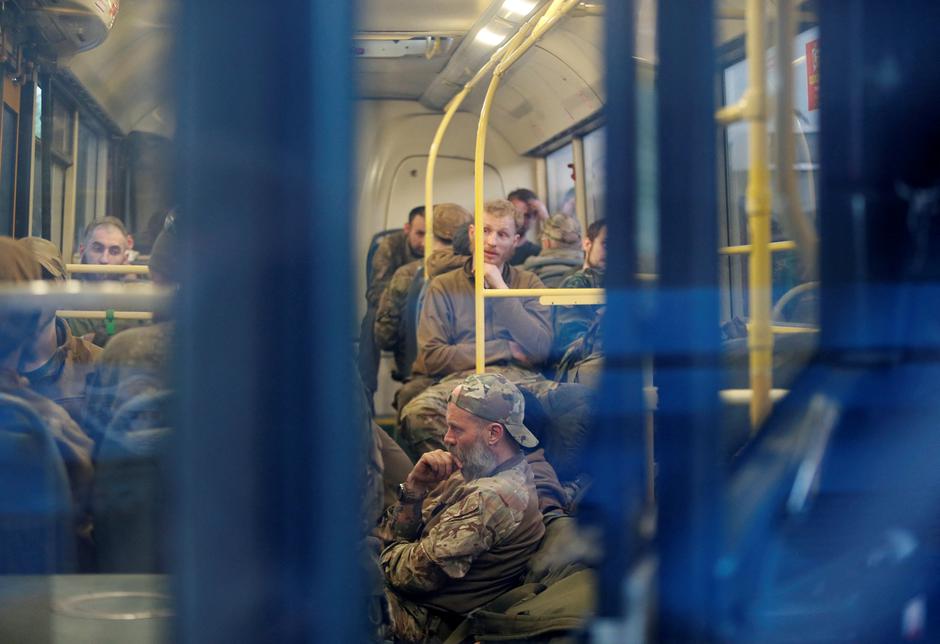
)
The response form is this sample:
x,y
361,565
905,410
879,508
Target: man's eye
x,y
98,248
115,250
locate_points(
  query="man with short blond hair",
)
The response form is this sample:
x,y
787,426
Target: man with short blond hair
x,y
518,330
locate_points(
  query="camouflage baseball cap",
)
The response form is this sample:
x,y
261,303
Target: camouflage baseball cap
x,y
448,217
562,228
47,254
492,397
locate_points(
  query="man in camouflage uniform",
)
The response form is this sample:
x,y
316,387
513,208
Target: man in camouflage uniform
x,y
561,251
467,519
518,330
105,242
572,323
56,363
394,251
389,319
533,212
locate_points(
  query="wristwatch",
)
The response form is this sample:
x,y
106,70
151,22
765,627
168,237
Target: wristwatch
x,y
404,497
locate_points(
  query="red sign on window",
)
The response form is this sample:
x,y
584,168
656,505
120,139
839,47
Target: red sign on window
x,y
812,74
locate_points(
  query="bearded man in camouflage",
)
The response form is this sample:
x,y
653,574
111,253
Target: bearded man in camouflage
x,y
467,519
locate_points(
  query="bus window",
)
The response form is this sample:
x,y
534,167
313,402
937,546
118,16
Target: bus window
x,y
787,268
558,166
594,180
7,164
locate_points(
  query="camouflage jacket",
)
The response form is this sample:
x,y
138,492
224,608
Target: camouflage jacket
x,y
571,322
446,326
552,265
389,328
472,544
134,362
392,253
64,376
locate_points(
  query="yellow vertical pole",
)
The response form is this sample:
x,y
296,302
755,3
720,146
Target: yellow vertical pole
x,y
478,284
452,108
760,337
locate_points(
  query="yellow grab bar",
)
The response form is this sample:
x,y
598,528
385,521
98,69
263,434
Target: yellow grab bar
x,y
122,269
101,315
745,249
760,337
449,111
555,11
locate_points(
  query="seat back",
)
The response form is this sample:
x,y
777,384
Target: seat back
x,y
410,322
130,487
36,531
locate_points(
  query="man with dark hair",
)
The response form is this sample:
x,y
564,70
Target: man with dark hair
x,y
55,362
106,242
572,323
532,210
389,319
468,518
394,251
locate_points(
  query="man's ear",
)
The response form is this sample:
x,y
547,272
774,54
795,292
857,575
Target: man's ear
x,y
519,240
494,434
407,228
130,242
586,245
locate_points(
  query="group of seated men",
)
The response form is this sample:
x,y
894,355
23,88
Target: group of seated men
x,y
62,370
473,509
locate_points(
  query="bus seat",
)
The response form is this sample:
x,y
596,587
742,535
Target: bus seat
x,y
36,522
412,314
128,498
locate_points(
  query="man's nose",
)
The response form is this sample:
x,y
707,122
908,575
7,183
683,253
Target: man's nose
x,y
448,439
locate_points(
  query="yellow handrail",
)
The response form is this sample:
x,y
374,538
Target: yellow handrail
x,y
760,337
539,292
449,111
122,269
555,11
101,315
745,249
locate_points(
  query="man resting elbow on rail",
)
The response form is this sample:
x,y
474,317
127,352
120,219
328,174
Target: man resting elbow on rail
x,y
518,330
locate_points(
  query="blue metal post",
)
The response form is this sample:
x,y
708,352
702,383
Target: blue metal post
x,y
267,456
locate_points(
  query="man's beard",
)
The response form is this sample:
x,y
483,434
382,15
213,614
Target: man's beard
x,y
477,460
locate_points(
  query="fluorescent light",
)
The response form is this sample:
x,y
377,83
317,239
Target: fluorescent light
x,y
489,37
520,7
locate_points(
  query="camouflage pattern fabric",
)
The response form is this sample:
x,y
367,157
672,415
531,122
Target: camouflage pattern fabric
x,y
571,322
492,397
389,318
97,330
423,419
472,544
392,253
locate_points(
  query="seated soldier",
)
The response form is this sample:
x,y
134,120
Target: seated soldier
x,y
56,363
532,211
561,251
136,361
105,242
572,322
468,518
389,326
518,330
16,331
